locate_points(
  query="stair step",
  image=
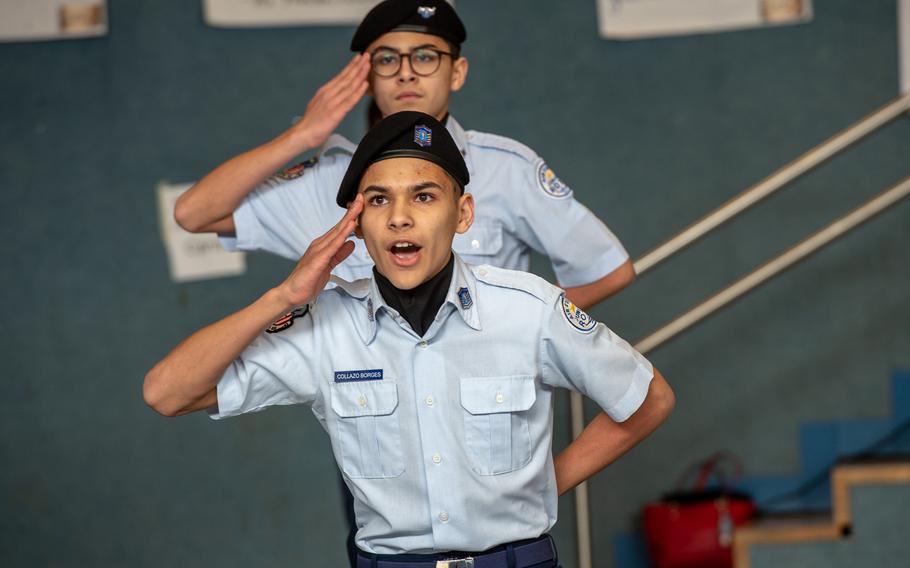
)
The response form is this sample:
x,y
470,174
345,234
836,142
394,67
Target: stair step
x,y
808,528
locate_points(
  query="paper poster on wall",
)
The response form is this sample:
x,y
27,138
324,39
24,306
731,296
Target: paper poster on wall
x,y
190,256
637,19
40,20
271,13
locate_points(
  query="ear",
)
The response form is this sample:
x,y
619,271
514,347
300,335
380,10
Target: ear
x,y
465,213
459,73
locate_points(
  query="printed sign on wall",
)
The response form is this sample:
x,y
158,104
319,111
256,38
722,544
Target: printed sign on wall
x,y
253,13
37,20
637,19
260,13
192,256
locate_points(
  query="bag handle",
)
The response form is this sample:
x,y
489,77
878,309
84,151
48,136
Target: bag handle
x,y
722,465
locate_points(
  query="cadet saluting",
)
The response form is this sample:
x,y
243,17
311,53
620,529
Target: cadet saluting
x,y
409,59
443,440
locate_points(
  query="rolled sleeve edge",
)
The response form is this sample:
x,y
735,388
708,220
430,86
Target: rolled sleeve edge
x,y
612,259
635,395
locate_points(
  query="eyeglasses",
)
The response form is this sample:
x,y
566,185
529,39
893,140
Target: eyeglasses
x,y
424,61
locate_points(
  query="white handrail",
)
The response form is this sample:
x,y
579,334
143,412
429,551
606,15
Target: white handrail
x,y
775,266
772,183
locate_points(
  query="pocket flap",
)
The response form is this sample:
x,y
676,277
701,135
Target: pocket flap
x,y
364,399
481,239
488,395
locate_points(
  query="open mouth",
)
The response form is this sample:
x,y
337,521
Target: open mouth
x,y
405,253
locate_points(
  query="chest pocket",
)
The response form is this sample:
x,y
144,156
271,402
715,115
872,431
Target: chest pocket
x,y
368,429
496,422
480,243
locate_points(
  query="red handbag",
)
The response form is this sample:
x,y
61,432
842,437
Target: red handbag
x,y
694,528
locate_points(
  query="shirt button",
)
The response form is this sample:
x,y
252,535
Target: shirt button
x,y
437,459
475,244
429,400
482,272
499,398
361,401
444,517
423,344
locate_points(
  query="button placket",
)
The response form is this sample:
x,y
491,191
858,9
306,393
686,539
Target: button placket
x,y
429,375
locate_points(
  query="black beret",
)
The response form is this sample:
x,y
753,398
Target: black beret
x,y
434,17
407,134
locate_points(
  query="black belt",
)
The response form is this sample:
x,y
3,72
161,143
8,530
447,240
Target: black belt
x,y
524,553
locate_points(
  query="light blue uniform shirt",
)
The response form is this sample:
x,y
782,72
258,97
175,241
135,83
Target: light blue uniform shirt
x,y
445,441
520,206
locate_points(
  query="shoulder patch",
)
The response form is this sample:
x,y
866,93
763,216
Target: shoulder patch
x,y
297,170
576,317
287,320
530,283
486,140
549,183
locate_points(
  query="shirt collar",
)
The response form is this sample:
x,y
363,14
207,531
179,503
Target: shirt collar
x,y
461,140
461,295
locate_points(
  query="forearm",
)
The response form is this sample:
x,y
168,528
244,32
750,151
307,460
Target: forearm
x,y
211,202
604,441
209,205
186,379
588,295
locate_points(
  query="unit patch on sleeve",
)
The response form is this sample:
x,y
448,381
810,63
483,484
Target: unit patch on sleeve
x,y
576,317
549,183
297,170
287,320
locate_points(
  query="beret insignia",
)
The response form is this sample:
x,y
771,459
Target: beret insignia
x,y
423,136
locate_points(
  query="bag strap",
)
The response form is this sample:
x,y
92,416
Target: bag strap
x,y
722,465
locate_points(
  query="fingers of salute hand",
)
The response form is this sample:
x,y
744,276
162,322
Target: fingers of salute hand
x,y
331,243
335,99
324,254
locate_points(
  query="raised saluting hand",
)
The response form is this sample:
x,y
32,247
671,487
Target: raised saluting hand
x,y
325,253
333,101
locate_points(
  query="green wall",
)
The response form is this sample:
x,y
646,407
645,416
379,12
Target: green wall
x,y
650,134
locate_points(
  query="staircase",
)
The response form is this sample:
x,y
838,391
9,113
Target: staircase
x,y
825,517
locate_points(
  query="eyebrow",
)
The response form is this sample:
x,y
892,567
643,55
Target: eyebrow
x,y
417,187
412,48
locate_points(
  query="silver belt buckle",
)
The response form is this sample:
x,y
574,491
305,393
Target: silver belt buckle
x,y
460,563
